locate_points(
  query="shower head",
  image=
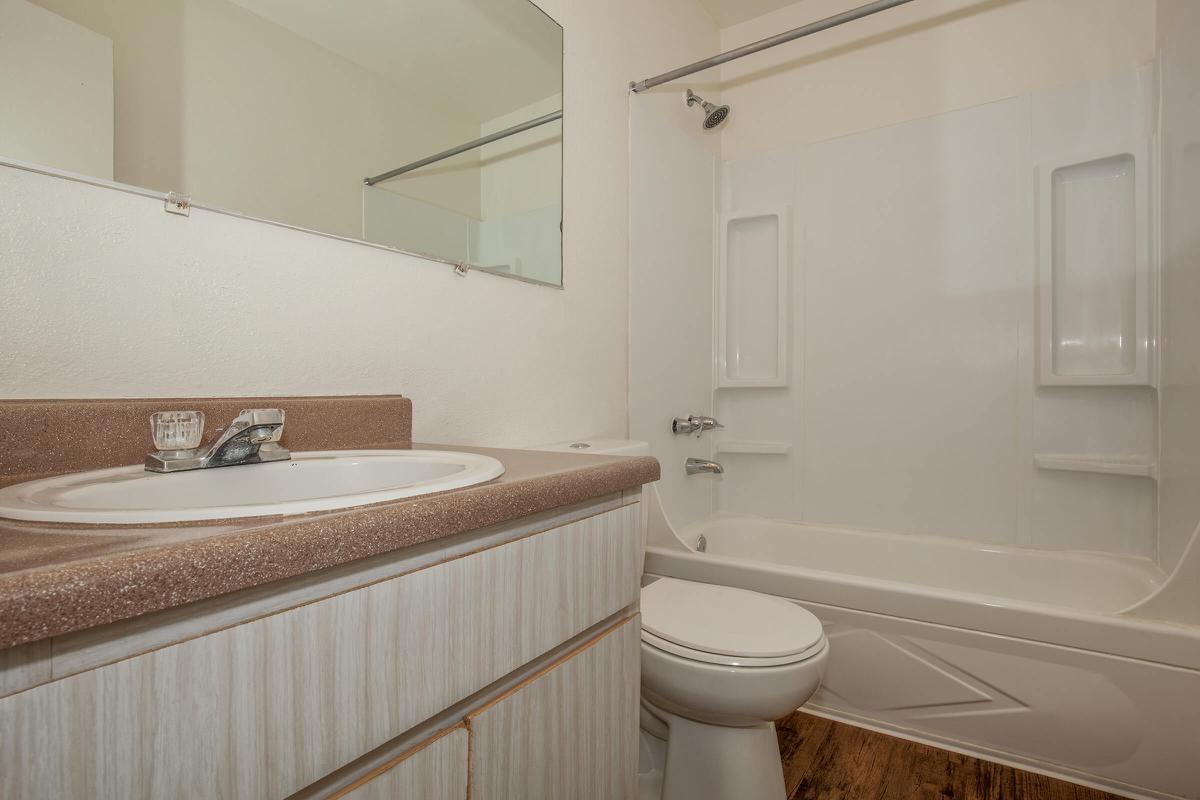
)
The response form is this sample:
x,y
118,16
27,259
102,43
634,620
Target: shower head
x,y
714,114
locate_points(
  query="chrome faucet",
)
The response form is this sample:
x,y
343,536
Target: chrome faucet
x,y
252,438
695,466
694,424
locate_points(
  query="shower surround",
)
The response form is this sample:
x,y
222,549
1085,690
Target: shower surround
x,y
951,440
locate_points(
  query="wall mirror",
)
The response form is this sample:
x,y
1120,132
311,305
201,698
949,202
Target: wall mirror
x,y
430,126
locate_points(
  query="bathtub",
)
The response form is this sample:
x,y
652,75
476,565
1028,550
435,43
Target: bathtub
x,y
1027,657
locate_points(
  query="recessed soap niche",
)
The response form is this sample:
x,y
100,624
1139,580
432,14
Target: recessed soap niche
x,y
753,308
1095,311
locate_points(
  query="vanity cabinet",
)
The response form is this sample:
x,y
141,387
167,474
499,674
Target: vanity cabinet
x,y
270,706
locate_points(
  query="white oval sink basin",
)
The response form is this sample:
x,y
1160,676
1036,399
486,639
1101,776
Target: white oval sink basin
x,y
316,481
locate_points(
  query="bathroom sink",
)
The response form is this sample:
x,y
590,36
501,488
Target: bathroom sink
x,y
314,481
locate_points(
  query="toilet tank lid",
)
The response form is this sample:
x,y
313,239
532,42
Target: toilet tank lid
x,y
599,447
727,621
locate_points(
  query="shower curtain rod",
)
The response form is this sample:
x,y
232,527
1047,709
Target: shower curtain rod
x,y
770,41
462,148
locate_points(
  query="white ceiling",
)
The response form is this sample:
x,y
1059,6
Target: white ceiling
x,y
731,12
468,59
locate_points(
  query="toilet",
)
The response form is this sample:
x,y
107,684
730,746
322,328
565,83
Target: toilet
x,y
719,666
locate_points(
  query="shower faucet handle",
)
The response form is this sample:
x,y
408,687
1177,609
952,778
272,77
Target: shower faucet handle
x,y
694,423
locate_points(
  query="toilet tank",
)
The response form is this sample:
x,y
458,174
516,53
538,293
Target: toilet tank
x,y
612,447
599,447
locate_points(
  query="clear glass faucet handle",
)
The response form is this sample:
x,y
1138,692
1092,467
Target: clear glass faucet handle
x,y
177,430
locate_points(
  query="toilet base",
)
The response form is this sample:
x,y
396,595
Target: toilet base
x,y
715,762
652,759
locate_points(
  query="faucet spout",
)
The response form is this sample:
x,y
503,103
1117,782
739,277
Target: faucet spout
x,y
695,466
243,446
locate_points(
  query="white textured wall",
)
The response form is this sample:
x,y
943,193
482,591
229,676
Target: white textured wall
x,y
920,59
43,55
103,294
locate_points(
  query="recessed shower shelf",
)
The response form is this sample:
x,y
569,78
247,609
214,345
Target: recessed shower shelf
x,y
756,448
753,308
1095,303
1135,467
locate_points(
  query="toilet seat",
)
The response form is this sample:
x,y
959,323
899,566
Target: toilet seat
x,y
727,626
723,659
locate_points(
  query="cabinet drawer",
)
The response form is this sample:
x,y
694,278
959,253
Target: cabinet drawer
x,y
263,709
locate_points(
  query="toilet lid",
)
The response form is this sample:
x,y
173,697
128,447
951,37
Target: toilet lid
x,y
727,621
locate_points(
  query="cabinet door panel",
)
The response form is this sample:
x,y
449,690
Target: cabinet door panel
x,y
438,771
571,732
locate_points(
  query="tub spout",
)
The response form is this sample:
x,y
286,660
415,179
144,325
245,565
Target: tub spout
x,y
695,466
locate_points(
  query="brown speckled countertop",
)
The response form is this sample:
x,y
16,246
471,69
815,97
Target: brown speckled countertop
x,y
57,578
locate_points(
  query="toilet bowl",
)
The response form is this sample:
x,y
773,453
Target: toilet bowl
x,y
719,666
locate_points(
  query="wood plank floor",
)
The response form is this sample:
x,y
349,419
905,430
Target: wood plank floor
x,y
824,760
